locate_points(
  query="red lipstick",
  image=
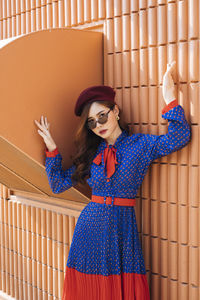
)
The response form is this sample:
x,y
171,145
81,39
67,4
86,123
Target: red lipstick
x,y
102,131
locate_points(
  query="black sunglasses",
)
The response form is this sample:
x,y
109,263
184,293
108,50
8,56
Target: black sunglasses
x,y
102,119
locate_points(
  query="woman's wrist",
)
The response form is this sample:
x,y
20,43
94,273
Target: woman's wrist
x,y
169,100
51,149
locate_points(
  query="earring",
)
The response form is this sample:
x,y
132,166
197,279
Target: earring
x,y
117,118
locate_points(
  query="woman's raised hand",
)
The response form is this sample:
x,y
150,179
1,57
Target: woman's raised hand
x,y
44,132
168,84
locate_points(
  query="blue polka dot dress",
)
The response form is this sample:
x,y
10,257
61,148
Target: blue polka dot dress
x,y
105,260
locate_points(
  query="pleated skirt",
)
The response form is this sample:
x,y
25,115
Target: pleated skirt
x,y
105,260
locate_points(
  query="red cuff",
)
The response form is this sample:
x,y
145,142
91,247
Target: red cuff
x,y
51,153
170,106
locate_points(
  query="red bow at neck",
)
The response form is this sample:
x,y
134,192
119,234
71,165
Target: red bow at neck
x,y
110,161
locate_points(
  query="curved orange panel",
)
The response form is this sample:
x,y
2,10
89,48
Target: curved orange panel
x,y
42,73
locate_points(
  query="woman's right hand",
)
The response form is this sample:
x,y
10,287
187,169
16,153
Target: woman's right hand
x,y
44,132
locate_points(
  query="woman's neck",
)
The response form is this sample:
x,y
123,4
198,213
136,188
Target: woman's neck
x,y
111,139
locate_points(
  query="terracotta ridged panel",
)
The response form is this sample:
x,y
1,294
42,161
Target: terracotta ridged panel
x,y
54,226
155,287
171,56
146,215
172,23
118,70
143,67
145,186
110,35
183,224
118,34
144,105
162,24
173,158
183,177
194,230
144,128
134,31
193,19
135,68
73,13
161,104
126,70
134,6
117,8
182,21
173,289
164,258
164,288
173,260
1,11
194,266
193,292
50,280
135,105
160,2
172,222
87,11
155,255
153,66
80,12
163,182
194,186
172,183
142,4
183,267
94,10
125,7
193,51
194,146
101,9
143,28
152,24
155,218
1,29
60,15
126,27
67,13
126,104
154,185
109,70
184,99
163,217
146,250
118,96
162,58
138,213
193,97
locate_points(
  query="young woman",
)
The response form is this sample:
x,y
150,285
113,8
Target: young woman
x,y
105,260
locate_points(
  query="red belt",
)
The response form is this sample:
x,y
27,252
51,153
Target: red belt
x,y
113,200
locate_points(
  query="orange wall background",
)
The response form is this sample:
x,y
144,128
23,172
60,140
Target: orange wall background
x,y
140,38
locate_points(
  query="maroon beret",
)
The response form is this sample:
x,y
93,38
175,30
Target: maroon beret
x,y
94,93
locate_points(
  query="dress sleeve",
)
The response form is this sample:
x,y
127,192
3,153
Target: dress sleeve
x,y
59,180
178,135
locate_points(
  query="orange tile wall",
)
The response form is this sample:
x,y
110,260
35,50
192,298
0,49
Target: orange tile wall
x,y
141,37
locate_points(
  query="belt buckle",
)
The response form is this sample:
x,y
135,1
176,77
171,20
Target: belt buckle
x,y
111,203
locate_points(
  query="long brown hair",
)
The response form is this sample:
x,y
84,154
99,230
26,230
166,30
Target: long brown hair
x,y
87,142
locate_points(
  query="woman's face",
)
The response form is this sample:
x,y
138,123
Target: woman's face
x,y
96,109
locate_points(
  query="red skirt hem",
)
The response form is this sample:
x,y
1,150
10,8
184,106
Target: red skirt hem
x,y
125,286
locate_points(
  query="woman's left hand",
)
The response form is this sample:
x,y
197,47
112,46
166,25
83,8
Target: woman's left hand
x,y
168,84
